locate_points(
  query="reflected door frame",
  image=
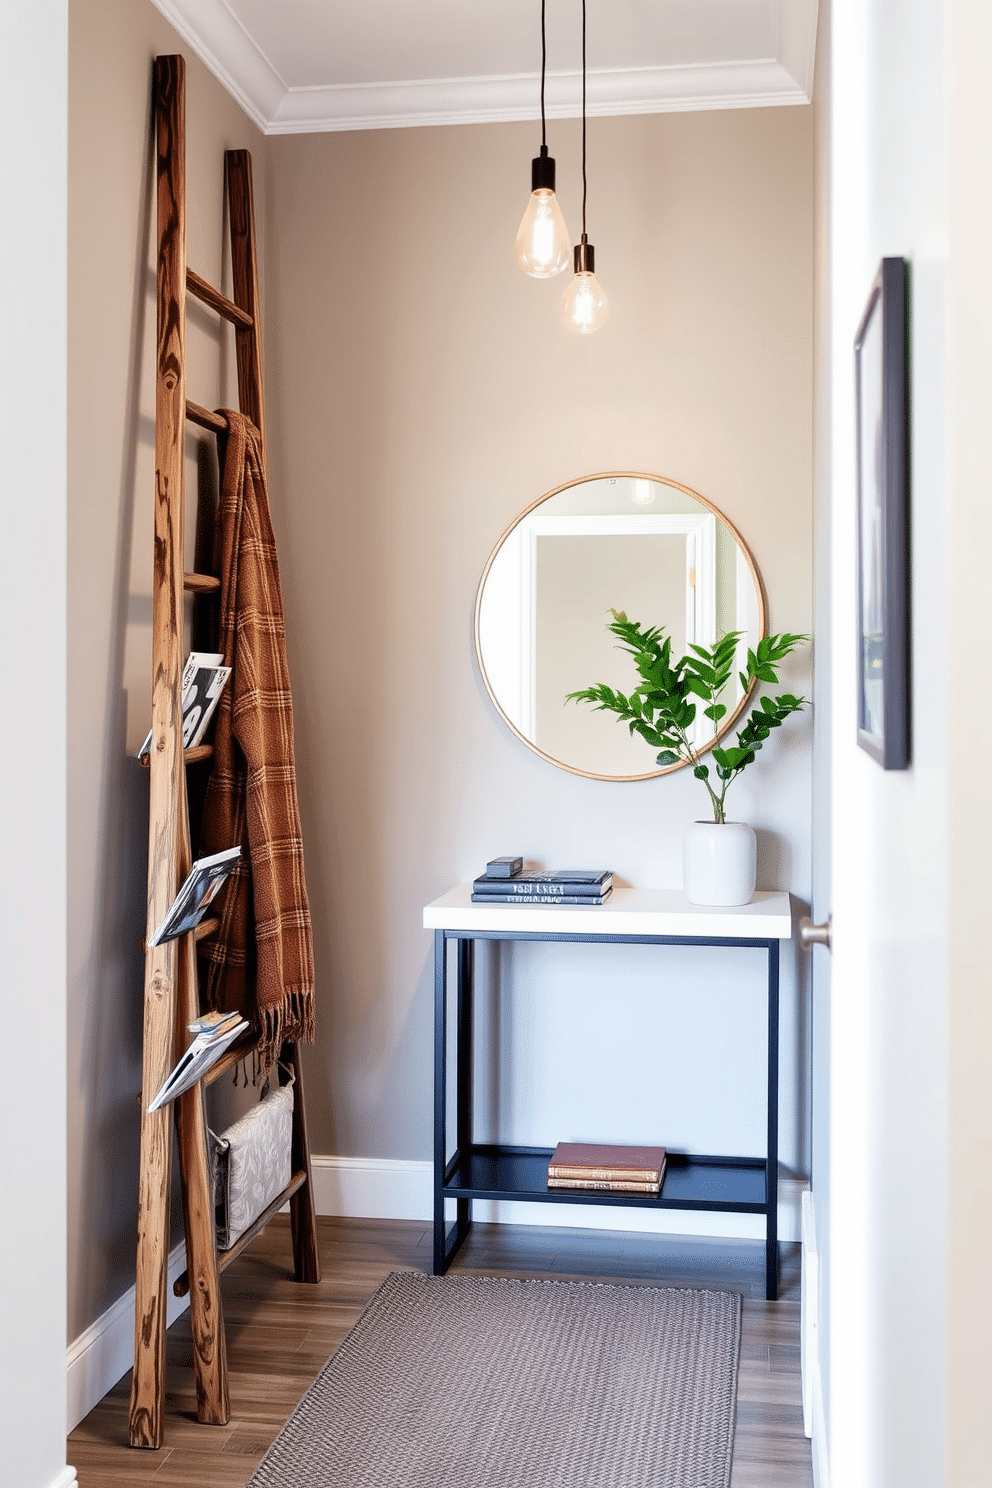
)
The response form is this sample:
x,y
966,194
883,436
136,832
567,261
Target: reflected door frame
x,y
699,531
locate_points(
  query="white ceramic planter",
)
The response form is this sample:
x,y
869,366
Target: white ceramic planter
x,y
719,863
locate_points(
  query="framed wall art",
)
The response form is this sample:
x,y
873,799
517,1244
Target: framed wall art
x,y
882,392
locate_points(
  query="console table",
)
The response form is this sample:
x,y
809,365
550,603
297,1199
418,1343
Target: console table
x,y
738,1185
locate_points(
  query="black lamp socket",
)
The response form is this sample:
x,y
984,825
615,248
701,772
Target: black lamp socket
x,y
542,171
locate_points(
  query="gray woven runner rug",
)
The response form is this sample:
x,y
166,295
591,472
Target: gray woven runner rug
x,y
480,1382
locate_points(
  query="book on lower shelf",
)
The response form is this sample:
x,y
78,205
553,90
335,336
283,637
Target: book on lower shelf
x,y
607,1185
609,1168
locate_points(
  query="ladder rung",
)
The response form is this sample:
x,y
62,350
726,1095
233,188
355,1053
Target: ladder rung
x,y
191,756
224,1257
199,287
200,932
200,583
197,414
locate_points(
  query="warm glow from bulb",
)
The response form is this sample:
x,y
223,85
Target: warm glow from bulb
x,y
584,307
542,248
643,493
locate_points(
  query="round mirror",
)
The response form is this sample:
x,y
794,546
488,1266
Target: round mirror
x,y
650,547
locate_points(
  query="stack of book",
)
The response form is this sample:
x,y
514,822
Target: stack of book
x,y
563,886
608,1169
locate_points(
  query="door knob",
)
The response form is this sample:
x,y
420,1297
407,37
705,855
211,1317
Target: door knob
x,y
811,935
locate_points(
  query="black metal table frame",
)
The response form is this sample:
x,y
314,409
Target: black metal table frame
x,y
452,1178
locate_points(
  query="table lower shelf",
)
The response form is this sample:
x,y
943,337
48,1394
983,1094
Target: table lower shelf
x,y
727,1184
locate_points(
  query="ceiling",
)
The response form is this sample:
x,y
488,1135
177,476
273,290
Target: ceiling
x,y
298,66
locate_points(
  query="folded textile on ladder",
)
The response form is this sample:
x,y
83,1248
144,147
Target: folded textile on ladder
x,y
260,960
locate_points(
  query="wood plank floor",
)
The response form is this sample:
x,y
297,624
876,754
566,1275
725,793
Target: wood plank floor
x,y
279,1334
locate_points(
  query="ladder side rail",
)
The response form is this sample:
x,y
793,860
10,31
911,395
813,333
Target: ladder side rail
x,y
170,978
244,276
166,763
213,1402
206,1310
302,1210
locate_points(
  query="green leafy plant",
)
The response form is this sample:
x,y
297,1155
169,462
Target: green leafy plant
x,y
662,707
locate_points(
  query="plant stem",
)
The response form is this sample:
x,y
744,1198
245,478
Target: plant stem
x,y
693,759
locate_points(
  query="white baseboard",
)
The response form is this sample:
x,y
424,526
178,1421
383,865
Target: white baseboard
x,y
809,1309
98,1358
821,1473
813,1416
373,1187
386,1188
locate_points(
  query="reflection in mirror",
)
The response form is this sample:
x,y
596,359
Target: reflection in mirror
x,y
628,542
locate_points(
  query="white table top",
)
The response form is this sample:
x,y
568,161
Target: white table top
x,y
626,912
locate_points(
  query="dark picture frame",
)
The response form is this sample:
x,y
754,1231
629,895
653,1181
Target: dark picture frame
x,y
882,394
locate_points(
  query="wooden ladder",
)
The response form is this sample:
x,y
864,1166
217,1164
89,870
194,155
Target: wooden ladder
x,y
171,991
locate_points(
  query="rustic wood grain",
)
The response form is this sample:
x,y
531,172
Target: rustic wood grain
x,y
190,756
206,1315
197,414
244,273
199,287
167,780
197,583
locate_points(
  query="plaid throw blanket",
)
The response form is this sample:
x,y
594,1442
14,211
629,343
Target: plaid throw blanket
x,y
260,961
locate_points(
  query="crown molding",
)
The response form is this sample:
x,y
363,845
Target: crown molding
x,y
797,41
225,49
210,28
488,100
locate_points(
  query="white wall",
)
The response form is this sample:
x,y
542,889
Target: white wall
x,y
33,43
969,401
816,1363
888,1137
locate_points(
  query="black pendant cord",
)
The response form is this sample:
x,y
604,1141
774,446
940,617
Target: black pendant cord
x,y
583,120
544,65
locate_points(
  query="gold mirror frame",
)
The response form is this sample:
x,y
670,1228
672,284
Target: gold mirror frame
x,y
758,589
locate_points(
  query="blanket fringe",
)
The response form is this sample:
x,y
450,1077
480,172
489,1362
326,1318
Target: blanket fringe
x,y
293,1022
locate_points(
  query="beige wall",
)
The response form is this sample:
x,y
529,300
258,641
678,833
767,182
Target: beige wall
x,y
422,392
111,479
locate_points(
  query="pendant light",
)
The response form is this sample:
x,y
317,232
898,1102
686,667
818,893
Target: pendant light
x,y
584,307
542,248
